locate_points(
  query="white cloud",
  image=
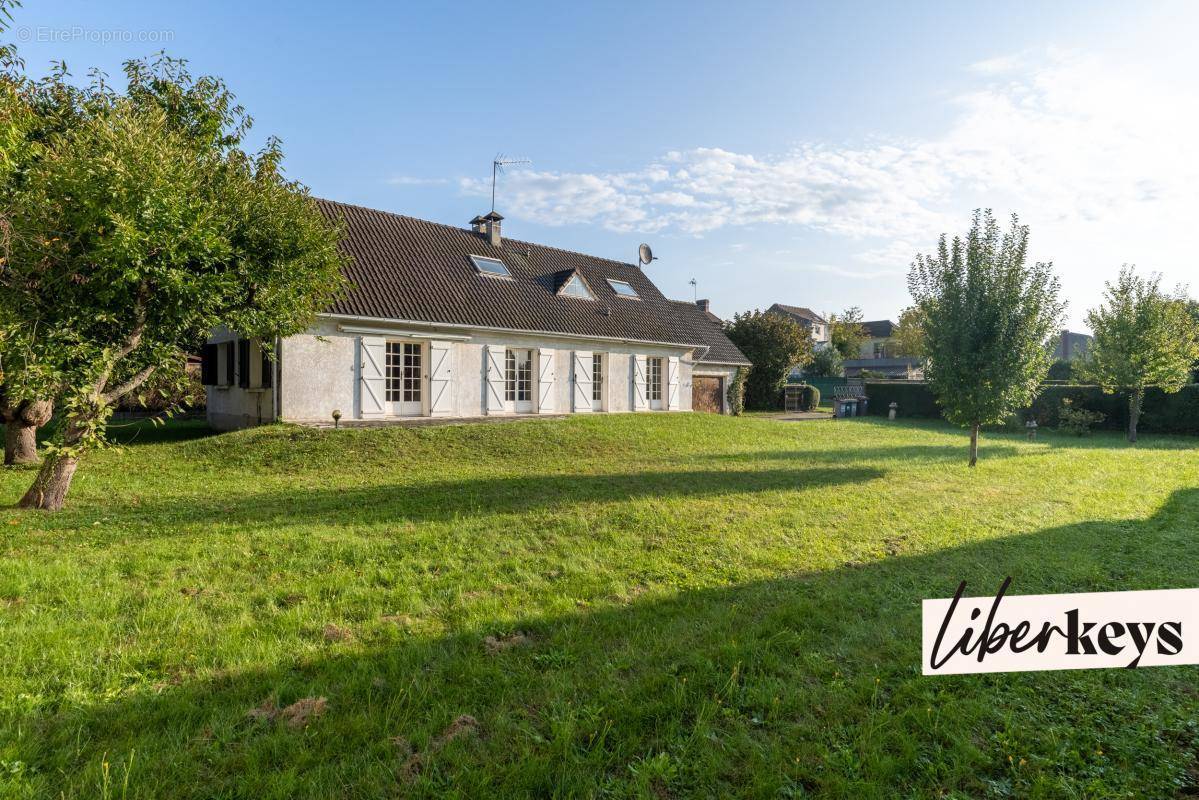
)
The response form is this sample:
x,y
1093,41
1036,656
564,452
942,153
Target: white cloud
x,y
1097,155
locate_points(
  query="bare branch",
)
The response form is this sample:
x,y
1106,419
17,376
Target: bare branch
x,y
128,386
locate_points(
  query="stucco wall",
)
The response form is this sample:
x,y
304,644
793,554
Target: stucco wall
x,y
231,406
317,372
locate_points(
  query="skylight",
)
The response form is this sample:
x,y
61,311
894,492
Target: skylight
x,y
491,266
623,289
576,288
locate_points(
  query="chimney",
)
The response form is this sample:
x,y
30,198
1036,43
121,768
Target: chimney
x,y
703,304
476,224
491,227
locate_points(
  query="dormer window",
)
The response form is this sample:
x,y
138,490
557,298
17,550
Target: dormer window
x,y
623,288
490,266
575,287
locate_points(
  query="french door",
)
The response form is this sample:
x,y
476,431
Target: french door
x,y
653,383
518,380
597,381
405,378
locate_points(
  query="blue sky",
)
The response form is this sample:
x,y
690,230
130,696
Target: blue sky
x,y
791,152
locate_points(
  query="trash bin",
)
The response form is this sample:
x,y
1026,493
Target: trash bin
x,y
863,405
853,407
840,408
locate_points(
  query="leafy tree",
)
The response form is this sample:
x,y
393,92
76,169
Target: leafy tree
x,y
826,363
142,227
846,333
1142,337
989,316
907,339
773,344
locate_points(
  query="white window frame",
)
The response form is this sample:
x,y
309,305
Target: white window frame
x,y
613,282
505,275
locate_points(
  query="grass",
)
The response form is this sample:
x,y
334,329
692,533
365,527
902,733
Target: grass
x,y
677,606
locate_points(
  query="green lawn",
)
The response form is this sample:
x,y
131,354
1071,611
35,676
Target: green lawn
x,y
677,606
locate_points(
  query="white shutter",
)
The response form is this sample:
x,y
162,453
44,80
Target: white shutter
x,y
640,368
372,378
672,383
441,378
581,361
493,362
545,380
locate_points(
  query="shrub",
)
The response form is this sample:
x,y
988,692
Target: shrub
x,y
1077,421
811,398
736,392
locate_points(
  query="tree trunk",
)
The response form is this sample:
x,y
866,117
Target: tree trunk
x,y
973,445
49,490
20,442
1134,413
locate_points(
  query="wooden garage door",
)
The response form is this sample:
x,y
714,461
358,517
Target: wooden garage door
x,y
706,394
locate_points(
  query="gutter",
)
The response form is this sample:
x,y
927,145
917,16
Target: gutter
x,y
518,331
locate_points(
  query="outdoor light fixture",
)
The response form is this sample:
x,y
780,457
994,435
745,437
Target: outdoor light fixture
x,y
336,418
892,410
1031,425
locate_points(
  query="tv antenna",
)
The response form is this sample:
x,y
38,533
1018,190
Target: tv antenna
x,y
694,289
497,168
645,256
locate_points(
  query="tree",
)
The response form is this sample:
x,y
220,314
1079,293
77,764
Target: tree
x,y
773,344
907,339
846,334
988,319
826,363
1142,337
143,227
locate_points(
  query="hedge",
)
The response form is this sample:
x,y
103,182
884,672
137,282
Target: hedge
x,y
914,399
1161,412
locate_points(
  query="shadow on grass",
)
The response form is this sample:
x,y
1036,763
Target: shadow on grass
x,y
455,499
802,685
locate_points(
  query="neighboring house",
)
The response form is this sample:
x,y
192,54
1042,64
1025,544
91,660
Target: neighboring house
x,y
1071,346
441,321
876,355
807,318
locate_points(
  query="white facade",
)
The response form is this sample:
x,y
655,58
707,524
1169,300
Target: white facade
x,y
369,369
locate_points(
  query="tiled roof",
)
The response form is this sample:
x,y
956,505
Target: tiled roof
x,y
799,312
879,328
709,329
409,269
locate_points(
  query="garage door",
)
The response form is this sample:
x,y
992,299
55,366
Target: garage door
x,y
707,393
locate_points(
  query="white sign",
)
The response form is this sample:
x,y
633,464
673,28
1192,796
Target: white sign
x,y
1026,633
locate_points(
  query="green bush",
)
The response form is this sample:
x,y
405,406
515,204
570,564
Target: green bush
x,y
914,399
811,398
1077,421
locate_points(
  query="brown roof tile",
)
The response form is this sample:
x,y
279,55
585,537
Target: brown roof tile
x,y
404,268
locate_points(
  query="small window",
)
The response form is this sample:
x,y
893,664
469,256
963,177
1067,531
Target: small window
x,y
576,288
622,288
491,266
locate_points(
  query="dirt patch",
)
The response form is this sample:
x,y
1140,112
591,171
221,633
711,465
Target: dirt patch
x,y
465,725
336,633
494,645
296,715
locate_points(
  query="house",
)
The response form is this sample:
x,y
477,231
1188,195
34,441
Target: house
x,y
876,354
1070,346
806,318
441,321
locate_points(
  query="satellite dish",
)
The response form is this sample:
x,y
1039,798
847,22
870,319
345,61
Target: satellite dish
x,y
644,254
